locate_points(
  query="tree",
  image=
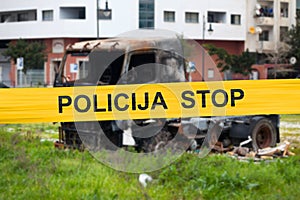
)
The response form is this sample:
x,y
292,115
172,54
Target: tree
x,y
278,56
33,53
240,64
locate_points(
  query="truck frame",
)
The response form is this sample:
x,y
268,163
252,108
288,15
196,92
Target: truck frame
x,y
116,61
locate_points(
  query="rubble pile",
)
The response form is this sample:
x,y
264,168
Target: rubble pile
x,y
269,153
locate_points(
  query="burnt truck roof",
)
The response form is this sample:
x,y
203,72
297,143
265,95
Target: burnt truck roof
x,y
124,44
127,44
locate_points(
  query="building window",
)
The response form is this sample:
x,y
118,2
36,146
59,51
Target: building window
x,y
284,9
210,73
18,16
146,14
216,17
72,13
191,17
283,33
83,69
264,36
5,18
169,16
22,17
236,19
47,15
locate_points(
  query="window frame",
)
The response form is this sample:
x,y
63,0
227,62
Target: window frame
x,y
146,14
233,19
169,16
47,15
264,36
218,17
190,19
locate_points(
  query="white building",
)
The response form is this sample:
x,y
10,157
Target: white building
x,y
269,20
77,19
60,22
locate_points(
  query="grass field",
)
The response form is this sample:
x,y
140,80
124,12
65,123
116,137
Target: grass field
x,y
31,168
290,131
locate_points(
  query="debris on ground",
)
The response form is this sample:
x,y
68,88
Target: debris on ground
x,y
269,153
246,141
144,179
245,153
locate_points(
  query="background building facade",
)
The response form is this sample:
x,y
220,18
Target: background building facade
x,y
61,22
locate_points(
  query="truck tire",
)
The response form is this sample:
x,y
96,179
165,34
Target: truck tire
x,y
263,134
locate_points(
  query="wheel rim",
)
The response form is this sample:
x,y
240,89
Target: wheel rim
x,y
264,137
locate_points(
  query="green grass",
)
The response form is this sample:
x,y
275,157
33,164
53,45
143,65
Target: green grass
x,y
31,169
290,118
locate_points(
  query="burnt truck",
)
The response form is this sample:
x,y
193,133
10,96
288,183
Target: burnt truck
x,y
148,60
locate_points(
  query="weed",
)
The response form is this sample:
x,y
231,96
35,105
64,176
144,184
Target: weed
x,y
31,169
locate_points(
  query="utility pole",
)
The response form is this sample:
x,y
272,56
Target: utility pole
x,y
210,30
203,51
97,18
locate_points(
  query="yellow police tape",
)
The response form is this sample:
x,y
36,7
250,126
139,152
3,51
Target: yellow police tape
x,y
143,101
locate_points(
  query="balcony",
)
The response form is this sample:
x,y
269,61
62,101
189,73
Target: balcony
x,y
265,46
284,21
264,21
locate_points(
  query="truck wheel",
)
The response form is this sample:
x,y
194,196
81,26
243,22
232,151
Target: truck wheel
x,y
263,134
